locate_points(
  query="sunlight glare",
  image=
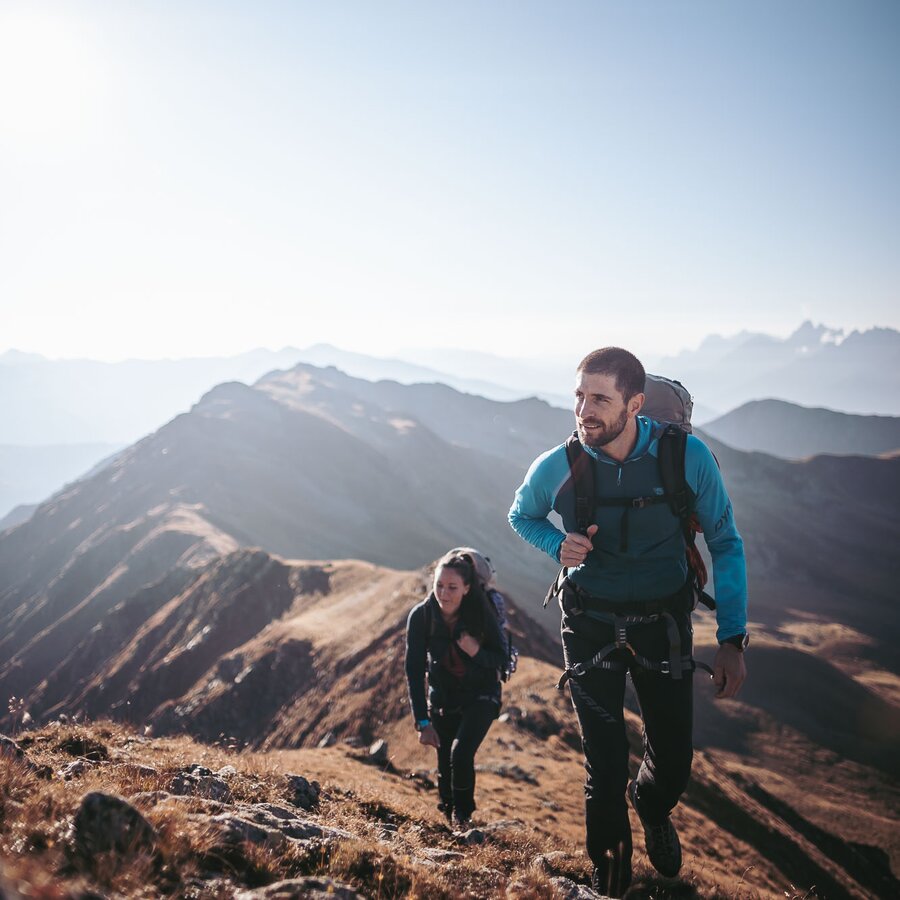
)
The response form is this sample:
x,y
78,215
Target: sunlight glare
x,y
50,79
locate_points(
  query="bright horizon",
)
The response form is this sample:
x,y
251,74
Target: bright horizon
x,y
206,180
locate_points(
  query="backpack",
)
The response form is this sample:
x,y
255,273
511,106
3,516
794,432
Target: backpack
x,y
486,575
665,401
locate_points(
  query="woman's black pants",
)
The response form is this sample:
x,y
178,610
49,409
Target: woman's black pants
x,y
461,733
666,707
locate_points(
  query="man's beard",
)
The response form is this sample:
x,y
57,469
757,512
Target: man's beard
x,y
608,433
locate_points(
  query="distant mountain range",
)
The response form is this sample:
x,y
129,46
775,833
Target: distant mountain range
x,y
794,432
52,404
815,366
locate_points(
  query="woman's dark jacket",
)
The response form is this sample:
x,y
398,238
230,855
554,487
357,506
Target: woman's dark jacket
x,y
425,651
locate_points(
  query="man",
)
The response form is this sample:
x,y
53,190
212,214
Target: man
x,y
626,605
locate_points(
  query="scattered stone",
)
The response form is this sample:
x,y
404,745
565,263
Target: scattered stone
x,y
552,805
387,832
550,863
303,793
136,770
313,888
352,741
198,781
270,825
571,890
75,769
149,798
227,772
471,837
233,830
378,752
327,741
439,855
105,823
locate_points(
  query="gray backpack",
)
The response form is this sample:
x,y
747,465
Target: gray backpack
x,y
667,401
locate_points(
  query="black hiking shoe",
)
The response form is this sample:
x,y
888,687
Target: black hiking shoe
x,y
663,846
612,876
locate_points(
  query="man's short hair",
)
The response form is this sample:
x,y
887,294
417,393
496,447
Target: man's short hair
x,y
624,366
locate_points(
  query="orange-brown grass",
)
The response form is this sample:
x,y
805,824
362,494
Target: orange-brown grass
x,y
35,814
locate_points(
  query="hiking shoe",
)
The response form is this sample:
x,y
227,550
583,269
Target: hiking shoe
x,y
461,825
663,846
612,877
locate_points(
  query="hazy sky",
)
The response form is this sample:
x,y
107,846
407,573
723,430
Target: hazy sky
x,y
197,178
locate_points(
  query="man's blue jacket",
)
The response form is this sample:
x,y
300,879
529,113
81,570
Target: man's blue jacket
x,y
640,557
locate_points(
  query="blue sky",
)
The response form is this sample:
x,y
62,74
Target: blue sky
x,y
202,178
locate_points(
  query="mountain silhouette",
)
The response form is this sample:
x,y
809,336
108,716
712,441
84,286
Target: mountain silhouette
x,y
794,432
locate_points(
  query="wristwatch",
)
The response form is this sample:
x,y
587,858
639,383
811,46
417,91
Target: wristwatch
x,y
422,723
740,641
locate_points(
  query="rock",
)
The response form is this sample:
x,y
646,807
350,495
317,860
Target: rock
x,y
550,862
198,781
313,888
75,769
471,837
439,855
326,741
270,825
105,823
378,752
135,770
303,793
570,890
227,772
149,798
233,830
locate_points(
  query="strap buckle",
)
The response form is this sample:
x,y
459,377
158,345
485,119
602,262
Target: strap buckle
x,y
665,667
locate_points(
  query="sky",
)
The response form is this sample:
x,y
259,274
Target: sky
x,y
203,178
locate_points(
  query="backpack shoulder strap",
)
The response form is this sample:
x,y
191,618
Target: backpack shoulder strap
x,y
672,445
582,470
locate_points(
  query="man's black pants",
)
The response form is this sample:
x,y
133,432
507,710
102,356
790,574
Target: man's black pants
x,y
461,733
666,709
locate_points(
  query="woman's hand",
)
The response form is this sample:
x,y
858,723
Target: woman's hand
x,y
469,645
429,737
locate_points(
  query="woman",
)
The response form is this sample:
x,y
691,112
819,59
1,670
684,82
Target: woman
x,y
453,636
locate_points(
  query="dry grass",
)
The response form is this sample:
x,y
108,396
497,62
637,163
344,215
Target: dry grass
x,y
389,859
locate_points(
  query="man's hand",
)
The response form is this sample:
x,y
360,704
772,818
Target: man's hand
x,y
576,547
429,737
730,671
468,644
